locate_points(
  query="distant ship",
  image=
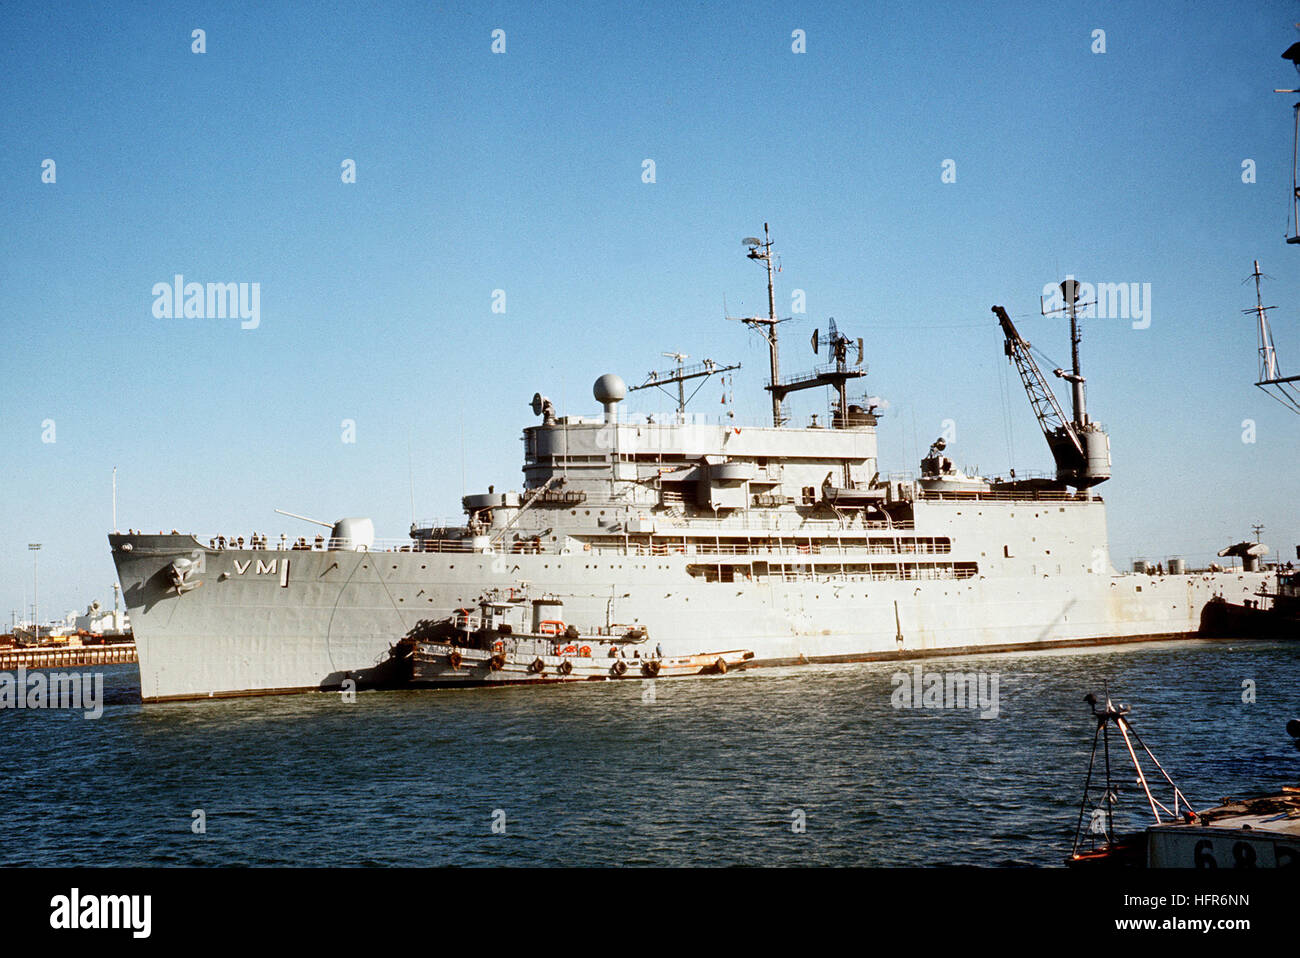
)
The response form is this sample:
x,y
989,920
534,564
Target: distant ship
x,y
787,540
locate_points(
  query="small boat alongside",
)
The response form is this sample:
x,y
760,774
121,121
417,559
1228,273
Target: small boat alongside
x,y
1273,614
1258,832
493,647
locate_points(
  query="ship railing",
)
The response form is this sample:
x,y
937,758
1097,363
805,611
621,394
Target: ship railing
x,y
1028,495
346,545
445,522
778,524
875,576
790,548
425,545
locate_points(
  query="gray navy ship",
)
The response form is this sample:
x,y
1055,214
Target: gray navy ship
x,y
782,539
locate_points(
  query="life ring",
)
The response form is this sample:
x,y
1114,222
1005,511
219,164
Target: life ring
x,y
568,650
454,659
538,666
650,667
619,667
498,646
565,667
585,651
497,662
721,665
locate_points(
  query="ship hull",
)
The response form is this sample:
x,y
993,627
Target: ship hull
x,y
1236,620
268,621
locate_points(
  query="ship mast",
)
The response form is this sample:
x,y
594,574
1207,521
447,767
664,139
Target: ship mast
x,y
1270,380
680,375
761,250
1078,397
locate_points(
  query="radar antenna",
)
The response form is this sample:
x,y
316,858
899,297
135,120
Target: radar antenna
x,y
836,374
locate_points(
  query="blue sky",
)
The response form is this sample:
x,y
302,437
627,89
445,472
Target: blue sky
x,y
522,171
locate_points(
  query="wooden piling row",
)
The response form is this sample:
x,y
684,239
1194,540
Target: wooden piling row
x,y
49,658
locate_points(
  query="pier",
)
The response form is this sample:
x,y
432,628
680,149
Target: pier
x,y
54,658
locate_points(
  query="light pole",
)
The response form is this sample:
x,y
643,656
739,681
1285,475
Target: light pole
x,y
35,547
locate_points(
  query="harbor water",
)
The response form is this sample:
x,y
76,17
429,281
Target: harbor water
x,y
798,766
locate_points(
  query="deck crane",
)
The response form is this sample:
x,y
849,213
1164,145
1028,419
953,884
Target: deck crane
x,y
1080,447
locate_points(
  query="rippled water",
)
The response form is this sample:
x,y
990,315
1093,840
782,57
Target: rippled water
x,y
709,773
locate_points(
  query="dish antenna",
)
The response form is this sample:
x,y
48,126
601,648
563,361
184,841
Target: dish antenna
x,y
543,407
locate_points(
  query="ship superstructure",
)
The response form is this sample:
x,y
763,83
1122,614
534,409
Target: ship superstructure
x,y
780,539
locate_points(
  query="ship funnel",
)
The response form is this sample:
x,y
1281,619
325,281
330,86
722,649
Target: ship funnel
x,y
610,390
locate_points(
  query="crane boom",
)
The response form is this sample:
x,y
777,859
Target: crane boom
x,y
1051,417
1079,446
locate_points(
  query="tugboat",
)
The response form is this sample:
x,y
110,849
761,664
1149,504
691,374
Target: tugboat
x,y
1258,832
492,647
1271,614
